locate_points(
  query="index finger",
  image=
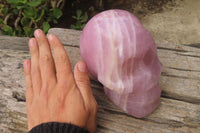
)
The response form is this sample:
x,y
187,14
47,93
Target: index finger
x,y
62,62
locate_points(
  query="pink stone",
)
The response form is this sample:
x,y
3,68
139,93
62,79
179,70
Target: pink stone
x,y
122,55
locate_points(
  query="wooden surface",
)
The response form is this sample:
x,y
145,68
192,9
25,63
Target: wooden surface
x,y
179,111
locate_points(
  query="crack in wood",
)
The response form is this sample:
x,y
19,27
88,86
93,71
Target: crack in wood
x,y
19,66
175,76
117,112
18,96
179,69
171,49
197,45
69,45
180,98
187,55
171,123
102,127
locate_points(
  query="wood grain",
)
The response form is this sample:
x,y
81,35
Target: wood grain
x,y
179,111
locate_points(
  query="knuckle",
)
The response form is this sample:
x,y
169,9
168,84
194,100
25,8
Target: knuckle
x,y
34,70
62,84
45,58
60,59
60,98
83,81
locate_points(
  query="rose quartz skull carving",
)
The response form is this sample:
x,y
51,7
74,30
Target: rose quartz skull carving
x,y
122,55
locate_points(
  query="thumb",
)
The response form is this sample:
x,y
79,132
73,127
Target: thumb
x,y
83,81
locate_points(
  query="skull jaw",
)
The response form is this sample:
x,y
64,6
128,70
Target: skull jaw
x,y
139,104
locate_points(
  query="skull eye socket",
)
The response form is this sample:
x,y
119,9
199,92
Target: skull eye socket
x,y
148,57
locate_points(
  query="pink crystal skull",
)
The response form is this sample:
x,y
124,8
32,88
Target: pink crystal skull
x,y
122,55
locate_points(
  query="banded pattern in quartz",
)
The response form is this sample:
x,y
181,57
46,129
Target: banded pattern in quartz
x,y
122,55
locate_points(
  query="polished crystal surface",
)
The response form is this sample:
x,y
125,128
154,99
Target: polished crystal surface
x,y
122,55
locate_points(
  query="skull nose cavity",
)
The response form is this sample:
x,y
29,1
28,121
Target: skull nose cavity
x,y
148,57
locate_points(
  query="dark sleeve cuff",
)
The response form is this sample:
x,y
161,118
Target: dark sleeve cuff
x,y
55,127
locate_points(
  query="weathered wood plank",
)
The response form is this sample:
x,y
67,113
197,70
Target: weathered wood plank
x,y
181,72
178,112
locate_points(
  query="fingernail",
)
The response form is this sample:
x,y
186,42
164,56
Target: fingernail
x,y
26,63
82,67
31,42
37,33
49,36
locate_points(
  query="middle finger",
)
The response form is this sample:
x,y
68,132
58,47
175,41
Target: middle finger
x,y
47,66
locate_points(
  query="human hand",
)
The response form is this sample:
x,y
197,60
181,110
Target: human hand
x,y
53,92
